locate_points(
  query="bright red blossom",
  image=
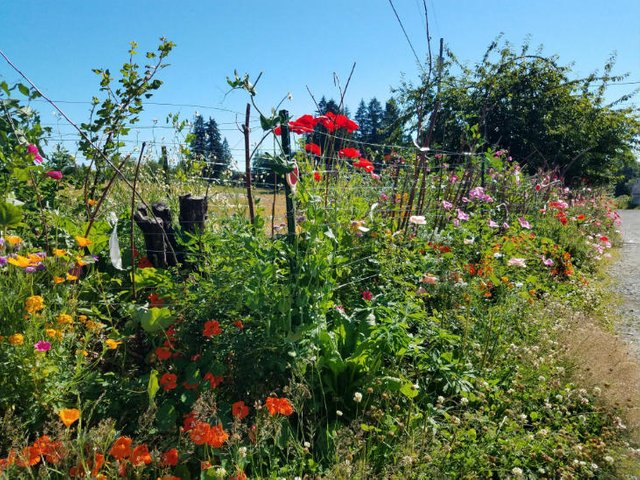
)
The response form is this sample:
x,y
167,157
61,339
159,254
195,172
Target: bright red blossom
x,y
140,456
316,176
168,381
313,148
211,328
365,164
239,410
349,152
214,380
121,448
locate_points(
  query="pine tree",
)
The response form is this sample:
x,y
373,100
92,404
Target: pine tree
x,y
374,121
213,150
199,139
391,128
361,119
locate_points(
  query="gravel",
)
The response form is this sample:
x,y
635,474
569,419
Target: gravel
x,y
626,276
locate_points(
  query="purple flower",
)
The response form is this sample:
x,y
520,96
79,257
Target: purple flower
x,y
547,261
384,197
524,223
493,224
462,216
447,205
42,346
3,261
505,225
453,178
29,269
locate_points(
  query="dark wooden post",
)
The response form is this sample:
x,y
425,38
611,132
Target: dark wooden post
x,y
193,213
159,236
247,164
286,150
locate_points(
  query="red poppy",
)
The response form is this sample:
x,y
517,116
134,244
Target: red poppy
x,y
333,122
316,176
367,295
155,300
349,152
277,130
211,328
349,125
238,324
239,410
312,148
168,381
365,164
304,124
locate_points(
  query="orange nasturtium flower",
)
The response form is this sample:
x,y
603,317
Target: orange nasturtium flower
x,y
16,339
34,304
58,280
277,405
199,434
83,241
121,448
59,252
71,278
69,416
140,456
217,436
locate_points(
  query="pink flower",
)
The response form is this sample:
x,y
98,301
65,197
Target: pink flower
x,y
493,224
517,262
417,220
55,174
447,205
453,178
462,216
42,346
375,176
538,187
524,223
367,295
33,150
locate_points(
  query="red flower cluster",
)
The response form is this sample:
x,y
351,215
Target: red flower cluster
x,y
280,406
331,122
349,152
32,455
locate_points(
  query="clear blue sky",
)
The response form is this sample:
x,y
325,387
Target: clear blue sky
x,y
295,45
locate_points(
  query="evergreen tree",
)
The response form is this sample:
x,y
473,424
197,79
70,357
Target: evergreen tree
x,y
227,156
391,128
374,121
198,139
214,153
361,119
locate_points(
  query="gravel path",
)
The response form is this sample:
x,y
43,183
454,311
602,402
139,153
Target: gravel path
x,y
626,274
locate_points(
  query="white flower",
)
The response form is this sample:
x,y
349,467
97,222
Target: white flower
x,y
339,413
306,445
609,460
464,401
357,397
517,471
417,220
221,472
517,262
371,319
242,451
440,399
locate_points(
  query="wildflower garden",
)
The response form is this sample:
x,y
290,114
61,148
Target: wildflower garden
x,y
395,321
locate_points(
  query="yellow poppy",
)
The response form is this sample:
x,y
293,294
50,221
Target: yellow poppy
x,y
20,261
59,252
58,280
69,416
71,278
16,339
13,240
112,344
83,241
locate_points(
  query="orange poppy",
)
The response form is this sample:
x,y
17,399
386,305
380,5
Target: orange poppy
x,y
69,416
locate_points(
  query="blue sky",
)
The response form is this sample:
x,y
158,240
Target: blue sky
x,y
294,44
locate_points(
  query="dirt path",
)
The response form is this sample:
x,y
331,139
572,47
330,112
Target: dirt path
x,y
626,275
